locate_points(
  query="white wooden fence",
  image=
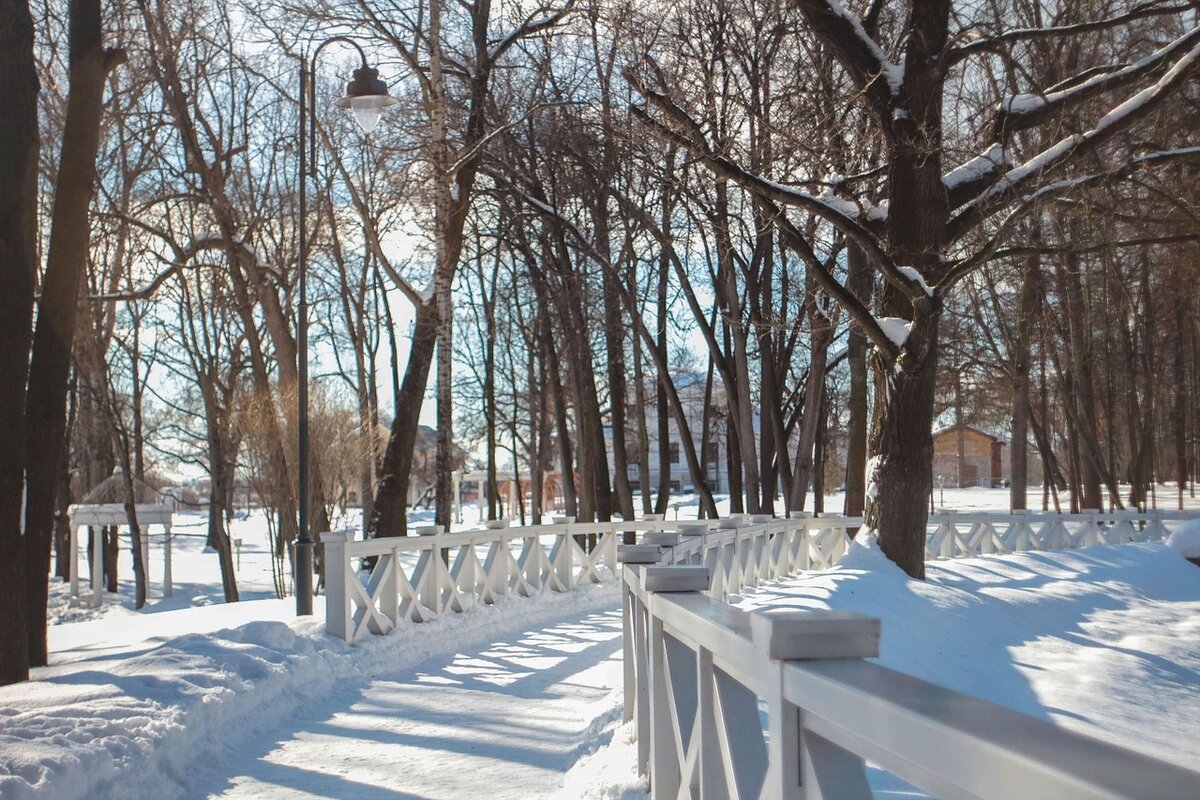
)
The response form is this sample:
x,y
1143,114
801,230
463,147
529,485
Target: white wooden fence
x,y
478,566
423,577
699,671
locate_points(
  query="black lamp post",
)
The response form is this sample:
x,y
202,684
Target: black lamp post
x,y
366,95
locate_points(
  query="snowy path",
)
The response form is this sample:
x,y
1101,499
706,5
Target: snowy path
x,y
505,720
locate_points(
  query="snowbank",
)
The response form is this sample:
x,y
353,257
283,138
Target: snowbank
x,y
1185,539
1100,640
132,727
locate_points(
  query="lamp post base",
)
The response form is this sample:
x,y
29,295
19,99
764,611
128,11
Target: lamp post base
x,y
304,579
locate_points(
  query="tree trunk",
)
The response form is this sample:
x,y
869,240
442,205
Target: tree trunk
x,y
1019,447
902,447
960,433
489,401
444,467
814,389
66,260
1179,408
390,498
18,267
858,281
559,395
643,435
1083,396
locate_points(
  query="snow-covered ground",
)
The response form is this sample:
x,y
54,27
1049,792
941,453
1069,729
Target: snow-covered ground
x,y
194,698
512,692
1104,641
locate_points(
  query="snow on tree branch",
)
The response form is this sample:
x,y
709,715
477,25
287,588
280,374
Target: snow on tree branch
x,y
856,50
992,250
539,20
995,42
1024,111
1019,180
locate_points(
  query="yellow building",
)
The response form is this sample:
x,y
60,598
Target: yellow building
x,y
983,463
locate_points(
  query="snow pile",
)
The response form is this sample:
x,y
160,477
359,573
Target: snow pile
x,y
896,329
1185,539
1042,633
978,167
1100,640
137,726
914,275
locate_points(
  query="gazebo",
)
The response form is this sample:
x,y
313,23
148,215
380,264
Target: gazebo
x,y
104,506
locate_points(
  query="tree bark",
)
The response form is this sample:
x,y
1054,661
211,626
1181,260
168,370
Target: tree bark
x,y
858,281
18,267
902,443
50,364
1019,447
391,517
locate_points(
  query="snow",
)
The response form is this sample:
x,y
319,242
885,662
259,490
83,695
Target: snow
x,y
896,328
843,206
1044,633
892,73
522,699
1022,103
914,275
1100,641
978,167
873,477
211,710
1029,103
1185,539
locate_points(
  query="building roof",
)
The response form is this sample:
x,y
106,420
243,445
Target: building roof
x,y
951,428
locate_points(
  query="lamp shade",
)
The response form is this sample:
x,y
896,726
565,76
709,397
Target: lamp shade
x,y
366,95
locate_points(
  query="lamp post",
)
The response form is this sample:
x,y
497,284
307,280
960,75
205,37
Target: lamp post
x,y
366,95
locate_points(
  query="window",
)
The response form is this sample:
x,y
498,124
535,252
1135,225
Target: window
x,y
674,448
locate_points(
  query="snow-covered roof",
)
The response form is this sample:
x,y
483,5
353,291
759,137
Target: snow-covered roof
x,y
950,428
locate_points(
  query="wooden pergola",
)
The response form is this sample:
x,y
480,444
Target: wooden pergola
x,y
113,514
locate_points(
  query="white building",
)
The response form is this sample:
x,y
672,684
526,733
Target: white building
x,y
690,387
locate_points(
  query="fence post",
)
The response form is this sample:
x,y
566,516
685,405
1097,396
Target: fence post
x,y
665,772
633,623
695,530
168,585
801,765
802,557
430,590
667,541
338,574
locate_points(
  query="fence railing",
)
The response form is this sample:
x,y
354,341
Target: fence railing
x,y
477,566
972,534
423,577
699,672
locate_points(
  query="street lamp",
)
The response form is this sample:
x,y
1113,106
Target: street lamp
x,y
366,95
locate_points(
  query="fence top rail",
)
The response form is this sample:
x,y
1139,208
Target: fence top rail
x,y
954,515
907,726
81,514
903,724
